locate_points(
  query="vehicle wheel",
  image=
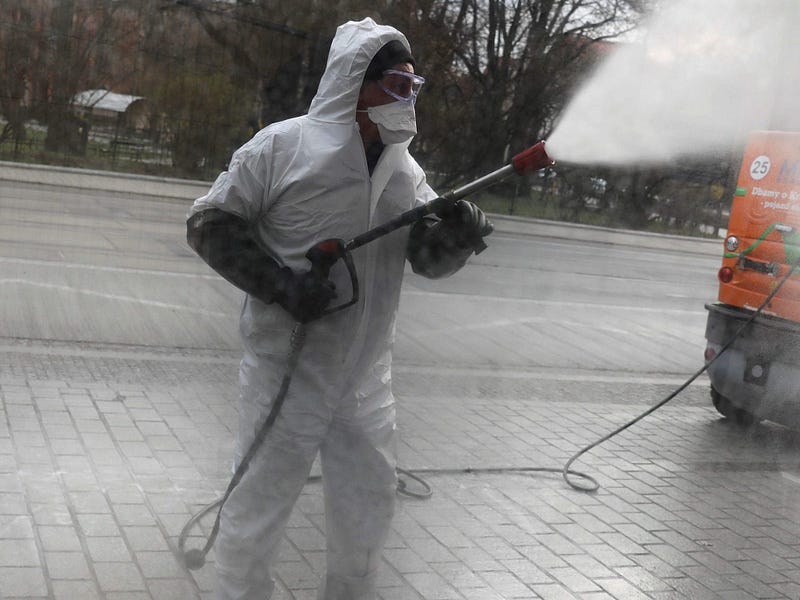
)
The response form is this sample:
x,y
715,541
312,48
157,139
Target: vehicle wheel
x,y
726,408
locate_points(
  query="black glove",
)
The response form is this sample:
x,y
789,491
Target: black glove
x,y
227,243
439,248
305,295
467,223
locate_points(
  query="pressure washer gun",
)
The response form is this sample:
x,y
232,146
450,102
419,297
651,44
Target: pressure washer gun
x,y
325,254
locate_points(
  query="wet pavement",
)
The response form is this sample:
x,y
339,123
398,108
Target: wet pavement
x,y
106,452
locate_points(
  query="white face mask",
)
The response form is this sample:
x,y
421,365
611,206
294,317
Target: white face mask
x,y
396,121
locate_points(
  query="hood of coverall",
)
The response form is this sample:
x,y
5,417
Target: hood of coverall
x,y
352,49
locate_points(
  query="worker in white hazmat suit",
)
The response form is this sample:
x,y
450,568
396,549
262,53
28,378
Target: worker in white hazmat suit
x,y
333,173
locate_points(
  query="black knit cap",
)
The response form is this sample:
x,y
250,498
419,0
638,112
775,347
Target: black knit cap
x,y
391,54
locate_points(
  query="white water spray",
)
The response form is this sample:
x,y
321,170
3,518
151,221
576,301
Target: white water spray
x,y
705,74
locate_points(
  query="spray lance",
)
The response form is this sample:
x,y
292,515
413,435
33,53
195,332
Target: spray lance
x,y
326,253
323,256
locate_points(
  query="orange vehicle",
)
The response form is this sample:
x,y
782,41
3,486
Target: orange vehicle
x,y
758,376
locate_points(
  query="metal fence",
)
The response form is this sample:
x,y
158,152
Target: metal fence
x,y
102,149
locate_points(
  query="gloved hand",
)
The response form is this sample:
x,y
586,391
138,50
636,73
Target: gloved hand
x,y
305,295
468,223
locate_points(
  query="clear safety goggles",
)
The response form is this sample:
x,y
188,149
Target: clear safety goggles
x,y
401,85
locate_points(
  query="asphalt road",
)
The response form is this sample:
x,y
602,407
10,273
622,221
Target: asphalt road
x,y
81,266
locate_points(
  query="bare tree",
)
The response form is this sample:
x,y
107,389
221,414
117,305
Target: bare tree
x,y
279,47
500,70
76,27
17,52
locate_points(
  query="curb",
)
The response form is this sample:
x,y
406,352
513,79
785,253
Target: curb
x,y
189,189
605,235
163,187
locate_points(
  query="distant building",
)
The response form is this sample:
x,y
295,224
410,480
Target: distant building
x,y
104,107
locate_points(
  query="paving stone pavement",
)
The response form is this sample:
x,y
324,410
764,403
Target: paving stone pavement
x,y
106,452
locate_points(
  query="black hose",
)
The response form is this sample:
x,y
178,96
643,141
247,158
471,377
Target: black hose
x,y
195,558
402,487
565,472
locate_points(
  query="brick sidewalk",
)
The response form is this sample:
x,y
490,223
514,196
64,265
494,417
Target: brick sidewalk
x,y
106,452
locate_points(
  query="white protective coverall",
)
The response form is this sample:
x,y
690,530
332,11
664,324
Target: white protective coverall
x,y
298,182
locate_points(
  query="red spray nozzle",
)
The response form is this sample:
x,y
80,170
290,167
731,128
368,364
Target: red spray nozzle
x,y
532,159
